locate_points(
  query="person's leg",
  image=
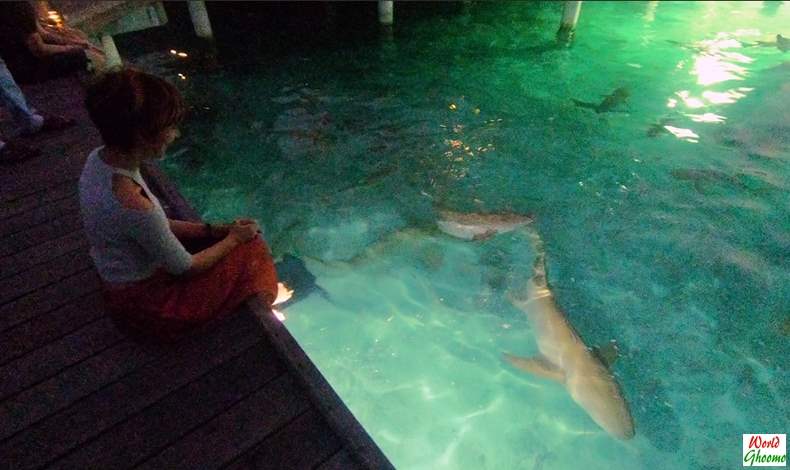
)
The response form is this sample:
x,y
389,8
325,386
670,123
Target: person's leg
x,y
12,98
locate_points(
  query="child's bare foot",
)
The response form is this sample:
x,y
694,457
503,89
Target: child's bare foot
x,y
283,293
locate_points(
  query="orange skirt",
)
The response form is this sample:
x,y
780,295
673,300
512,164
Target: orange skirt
x,y
165,307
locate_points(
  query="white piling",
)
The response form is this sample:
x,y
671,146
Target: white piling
x,y
386,12
199,15
570,16
110,51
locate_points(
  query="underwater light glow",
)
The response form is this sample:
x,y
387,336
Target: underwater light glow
x,y
710,69
683,134
707,117
689,100
727,97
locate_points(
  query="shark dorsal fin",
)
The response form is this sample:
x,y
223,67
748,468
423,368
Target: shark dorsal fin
x,y
607,353
537,365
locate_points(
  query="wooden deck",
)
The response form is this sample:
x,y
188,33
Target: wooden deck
x,y
76,393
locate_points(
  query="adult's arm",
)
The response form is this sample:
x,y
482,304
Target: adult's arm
x,y
203,260
184,230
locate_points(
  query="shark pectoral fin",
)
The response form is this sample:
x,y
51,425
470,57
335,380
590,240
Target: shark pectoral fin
x,y
608,353
485,235
538,365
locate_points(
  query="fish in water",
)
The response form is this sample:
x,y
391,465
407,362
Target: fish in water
x,y
782,43
609,102
476,226
659,128
701,177
293,273
565,358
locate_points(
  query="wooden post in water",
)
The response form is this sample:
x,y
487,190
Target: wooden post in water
x,y
110,51
199,15
570,16
386,12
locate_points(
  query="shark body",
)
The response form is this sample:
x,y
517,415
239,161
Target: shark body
x,y
566,359
476,226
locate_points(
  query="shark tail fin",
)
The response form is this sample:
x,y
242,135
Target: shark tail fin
x,y
538,365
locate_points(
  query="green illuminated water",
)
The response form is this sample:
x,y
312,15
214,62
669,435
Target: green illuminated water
x,y
665,222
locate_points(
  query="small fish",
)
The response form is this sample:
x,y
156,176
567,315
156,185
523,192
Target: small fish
x,y
658,128
700,178
609,102
782,43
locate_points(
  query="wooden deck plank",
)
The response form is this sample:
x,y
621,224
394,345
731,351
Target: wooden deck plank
x,y
158,375
48,327
40,199
301,445
13,197
175,415
48,298
34,256
342,460
235,431
52,271
47,361
58,392
38,234
39,215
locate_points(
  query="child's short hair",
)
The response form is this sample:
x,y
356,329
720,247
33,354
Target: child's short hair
x,y
128,105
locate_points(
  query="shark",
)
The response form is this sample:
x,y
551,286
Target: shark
x,y
565,358
476,226
609,102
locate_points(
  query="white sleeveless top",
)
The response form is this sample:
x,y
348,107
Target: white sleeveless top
x,y
126,244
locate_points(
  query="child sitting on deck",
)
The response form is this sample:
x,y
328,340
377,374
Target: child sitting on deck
x,y
152,284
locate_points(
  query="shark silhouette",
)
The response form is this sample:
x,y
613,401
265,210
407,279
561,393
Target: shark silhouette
x,y
609,102
293,272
